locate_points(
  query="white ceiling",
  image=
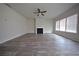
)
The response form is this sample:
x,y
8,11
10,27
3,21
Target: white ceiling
x,y
53,9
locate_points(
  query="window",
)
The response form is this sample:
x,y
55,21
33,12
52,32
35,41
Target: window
x,y
72,24
68,24
57,25
62,24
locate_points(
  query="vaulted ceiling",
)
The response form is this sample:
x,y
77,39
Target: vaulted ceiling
x,y
53,9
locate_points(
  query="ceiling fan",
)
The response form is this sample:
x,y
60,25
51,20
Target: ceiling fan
x,y
38,12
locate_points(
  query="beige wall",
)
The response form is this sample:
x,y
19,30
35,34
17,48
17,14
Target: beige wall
x,y
73,36
12,24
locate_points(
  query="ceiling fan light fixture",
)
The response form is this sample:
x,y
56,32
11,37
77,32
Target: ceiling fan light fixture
x,y
39,12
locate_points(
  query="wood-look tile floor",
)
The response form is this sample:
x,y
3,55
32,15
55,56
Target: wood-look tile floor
x,y
39,45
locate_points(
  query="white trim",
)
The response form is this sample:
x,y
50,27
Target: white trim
x,y
12,38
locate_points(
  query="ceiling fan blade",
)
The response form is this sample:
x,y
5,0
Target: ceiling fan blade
x,y
38,10
43,11
37,14
42,14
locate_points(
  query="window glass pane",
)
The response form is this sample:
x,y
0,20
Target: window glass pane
x,y
72,24
62,24
57,25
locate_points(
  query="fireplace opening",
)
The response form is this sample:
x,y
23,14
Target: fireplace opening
x,y
39,30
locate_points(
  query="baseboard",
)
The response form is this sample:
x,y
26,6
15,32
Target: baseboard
x,y
12,38
76,40
17,37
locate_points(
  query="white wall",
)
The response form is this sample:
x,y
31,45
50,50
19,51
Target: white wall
x,y
30,25
13,24
46,24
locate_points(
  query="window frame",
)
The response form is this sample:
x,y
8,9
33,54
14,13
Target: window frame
x,y
64,24
76,23
67,24
56,25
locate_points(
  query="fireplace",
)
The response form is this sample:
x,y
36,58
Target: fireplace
x,y
39,30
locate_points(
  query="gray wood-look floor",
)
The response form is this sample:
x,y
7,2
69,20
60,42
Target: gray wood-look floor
x,y
39,45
